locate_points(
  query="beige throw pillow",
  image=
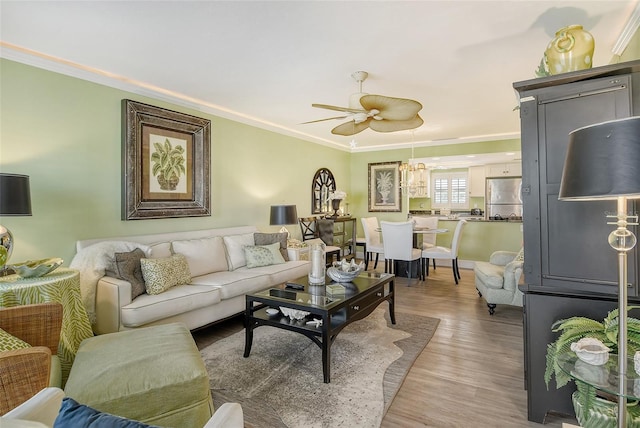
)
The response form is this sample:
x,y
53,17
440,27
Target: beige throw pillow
x,y
204,255
234,245
162,274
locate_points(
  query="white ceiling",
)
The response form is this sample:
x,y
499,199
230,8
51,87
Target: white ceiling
x,y
265,62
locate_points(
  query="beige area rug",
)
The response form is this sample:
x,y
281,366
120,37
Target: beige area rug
x,y
281,383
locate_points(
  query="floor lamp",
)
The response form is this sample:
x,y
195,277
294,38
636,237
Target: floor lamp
x,y
602,162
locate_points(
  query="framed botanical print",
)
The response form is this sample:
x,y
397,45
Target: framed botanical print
x,y
384,187
165,163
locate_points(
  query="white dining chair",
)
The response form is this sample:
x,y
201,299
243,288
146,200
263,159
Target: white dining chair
x,y
447,253
372,239
397,240
428,239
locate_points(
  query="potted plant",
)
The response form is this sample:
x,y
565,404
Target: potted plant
x,y
591,410
168,164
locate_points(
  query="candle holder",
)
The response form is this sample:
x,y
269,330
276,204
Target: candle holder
x,y
318,265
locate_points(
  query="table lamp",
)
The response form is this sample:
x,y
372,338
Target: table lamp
x,y
602,163
282,215
15,200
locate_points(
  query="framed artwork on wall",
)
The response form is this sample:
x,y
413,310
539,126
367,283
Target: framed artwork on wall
x,y
166,160
384,187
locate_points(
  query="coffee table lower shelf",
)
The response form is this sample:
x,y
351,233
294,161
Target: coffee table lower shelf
x,y
361,298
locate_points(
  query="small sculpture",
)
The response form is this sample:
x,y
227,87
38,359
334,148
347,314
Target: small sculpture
x,y
591,350
317,322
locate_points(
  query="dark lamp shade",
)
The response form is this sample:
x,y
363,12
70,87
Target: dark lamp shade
x,y
15,196
283,214
603,161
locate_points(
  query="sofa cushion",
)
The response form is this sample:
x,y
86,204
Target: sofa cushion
x,y
175,301
270,238
236,283
204,255
263,255
491,275
127,268
74,414
9,342
234,245
162,274
160,250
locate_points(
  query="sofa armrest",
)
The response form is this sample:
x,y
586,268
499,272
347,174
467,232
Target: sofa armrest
x,y
501,258
42,407
111,295
229,415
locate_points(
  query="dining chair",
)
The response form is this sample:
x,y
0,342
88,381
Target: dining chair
x,y
428,239
373,242
397,240
311,228
447,253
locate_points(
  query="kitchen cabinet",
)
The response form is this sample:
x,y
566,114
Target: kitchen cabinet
x,y
477,178
513,169
569,268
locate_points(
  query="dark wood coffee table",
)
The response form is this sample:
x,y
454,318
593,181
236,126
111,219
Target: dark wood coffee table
x,y
361,297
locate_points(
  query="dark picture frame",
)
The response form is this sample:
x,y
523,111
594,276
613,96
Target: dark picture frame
x,y
157,142
384,187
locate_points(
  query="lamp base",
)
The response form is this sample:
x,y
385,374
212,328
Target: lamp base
x,y
6,246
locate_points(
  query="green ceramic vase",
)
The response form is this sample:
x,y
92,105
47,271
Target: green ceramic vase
x,y
570,50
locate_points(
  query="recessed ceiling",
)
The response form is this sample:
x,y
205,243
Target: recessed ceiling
x,y
265,62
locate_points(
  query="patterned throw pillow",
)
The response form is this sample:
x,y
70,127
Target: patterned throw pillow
x,y
263,255
127,267
9,342
162,274
270,238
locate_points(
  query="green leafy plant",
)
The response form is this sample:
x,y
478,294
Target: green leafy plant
x,y
575,328
168,164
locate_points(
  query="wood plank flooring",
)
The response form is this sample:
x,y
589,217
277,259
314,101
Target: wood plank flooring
x,y
471,372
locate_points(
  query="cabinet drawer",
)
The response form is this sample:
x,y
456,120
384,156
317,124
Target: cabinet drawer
x,y
372,298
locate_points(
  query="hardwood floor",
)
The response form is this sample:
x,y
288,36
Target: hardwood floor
x,y
471,372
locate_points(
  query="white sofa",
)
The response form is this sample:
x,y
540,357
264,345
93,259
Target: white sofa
x,y
220,281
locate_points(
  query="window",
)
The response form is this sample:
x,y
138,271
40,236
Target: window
x,y
450,190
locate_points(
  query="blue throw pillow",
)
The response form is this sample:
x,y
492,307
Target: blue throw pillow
x,y
76,415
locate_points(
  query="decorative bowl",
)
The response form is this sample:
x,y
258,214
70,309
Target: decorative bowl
x,y
36,268
294,314
344,271
591,350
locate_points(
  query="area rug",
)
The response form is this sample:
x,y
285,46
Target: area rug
x,y
281,383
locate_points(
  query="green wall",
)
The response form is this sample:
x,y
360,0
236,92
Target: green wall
x,y
65,134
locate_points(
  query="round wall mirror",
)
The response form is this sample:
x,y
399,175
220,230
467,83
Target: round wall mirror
x,y
323,184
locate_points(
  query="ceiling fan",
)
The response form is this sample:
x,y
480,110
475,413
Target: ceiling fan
x,y
378,112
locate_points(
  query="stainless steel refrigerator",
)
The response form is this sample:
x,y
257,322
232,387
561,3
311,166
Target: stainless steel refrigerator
x,y
503,198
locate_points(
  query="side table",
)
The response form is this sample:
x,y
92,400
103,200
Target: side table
x,y
62,286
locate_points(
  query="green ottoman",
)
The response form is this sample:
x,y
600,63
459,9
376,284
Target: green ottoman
x,y
153,375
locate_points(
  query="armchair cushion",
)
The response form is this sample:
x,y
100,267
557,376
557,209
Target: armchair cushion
x,y
9,342
512,272
42,407
501,258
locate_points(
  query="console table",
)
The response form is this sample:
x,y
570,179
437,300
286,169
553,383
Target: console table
x,y
62,286
344,234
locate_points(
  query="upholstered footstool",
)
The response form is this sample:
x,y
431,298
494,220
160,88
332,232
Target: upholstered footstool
x,y
153,375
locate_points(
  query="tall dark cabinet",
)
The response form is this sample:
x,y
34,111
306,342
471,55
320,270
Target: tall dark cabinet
x,y
569,268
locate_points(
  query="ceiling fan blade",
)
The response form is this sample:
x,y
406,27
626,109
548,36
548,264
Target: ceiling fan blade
x,y
350,128
336,108
322,120
391,108
395,125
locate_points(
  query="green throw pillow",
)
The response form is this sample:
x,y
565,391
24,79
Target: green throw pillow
x,y
162,274
263,255
9,342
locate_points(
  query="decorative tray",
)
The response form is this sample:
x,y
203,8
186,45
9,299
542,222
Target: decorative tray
x,y
36,268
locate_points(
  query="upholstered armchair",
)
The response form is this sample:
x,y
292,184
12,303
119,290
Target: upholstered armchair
x,y
497,280
32,333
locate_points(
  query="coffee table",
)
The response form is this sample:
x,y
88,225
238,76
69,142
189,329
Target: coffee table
x,y
336,311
